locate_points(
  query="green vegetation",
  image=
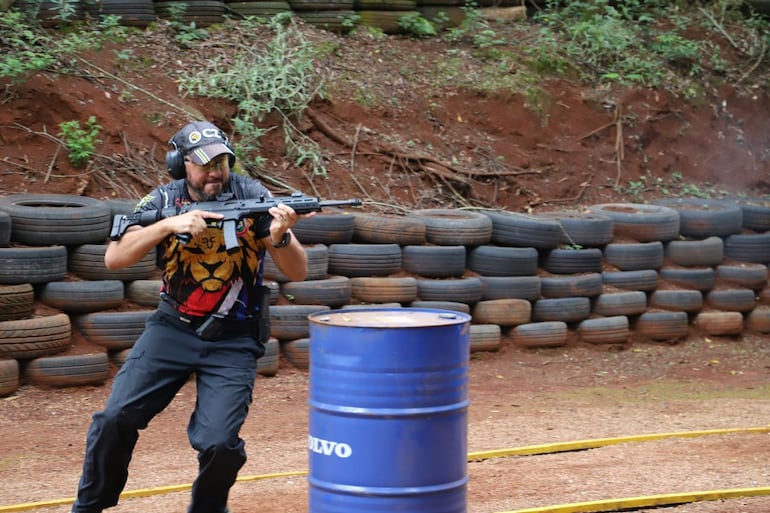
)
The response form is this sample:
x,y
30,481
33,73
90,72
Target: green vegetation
x,y
186,34
30,49
674,186
279,78
416,25
26,48
646,43
80,141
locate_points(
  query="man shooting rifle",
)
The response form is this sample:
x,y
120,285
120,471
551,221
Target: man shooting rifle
x,y
210,231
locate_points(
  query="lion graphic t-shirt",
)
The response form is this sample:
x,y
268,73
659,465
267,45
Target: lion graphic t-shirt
x,y
198,276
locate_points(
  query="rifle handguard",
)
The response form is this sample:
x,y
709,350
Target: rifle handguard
x,y
233,211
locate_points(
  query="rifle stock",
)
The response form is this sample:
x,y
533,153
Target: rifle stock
x,y
233,211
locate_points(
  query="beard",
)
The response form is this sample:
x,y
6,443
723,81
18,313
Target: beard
x,y
207,192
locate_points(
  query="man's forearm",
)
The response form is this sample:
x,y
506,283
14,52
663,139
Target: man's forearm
x,y
291,259
134,245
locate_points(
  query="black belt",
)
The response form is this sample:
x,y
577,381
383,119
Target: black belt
x,y
217,327
193,321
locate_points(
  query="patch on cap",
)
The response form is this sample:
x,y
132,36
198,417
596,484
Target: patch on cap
x,y
205,154
201,141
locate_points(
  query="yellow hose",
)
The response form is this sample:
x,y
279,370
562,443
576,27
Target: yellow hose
x,y
601,442
646,501
585,507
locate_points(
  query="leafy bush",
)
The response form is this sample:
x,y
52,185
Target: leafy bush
x,y
416,25
639,42
278,78
81,142
25,48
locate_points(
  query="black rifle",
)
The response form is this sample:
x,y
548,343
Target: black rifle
x,y
233,211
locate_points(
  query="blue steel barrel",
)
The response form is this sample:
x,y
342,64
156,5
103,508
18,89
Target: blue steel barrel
x,y
388,411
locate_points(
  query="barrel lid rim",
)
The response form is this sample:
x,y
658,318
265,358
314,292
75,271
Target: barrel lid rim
x,y
368,317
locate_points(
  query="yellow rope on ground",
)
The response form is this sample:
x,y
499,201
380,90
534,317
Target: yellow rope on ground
x,y
601,442
609,505
500,453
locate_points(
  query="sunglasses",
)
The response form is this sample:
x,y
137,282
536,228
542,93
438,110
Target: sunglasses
x,y
219,164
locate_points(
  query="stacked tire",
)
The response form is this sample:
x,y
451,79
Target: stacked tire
x,y
42,296
332,15
608,275
202,13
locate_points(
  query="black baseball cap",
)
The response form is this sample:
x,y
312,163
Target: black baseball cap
x,y
201,141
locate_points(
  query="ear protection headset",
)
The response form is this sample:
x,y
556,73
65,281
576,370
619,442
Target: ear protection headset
x,y
175,156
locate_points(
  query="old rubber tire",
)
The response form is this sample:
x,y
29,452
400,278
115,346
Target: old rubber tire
x,y
5,229
134,13
634,256
52,219
541,334
565,309
355,260
756,211
385,5
719,323
467,290
32,338
640,222
376,229
16,301
758,320
9,377
503,312
144,292
696,278
434,261
317,265
268,364
690,301
520,230
452,227
630,302
387,21
337,21
384,289
605,330
325,228
700,218
753,276
571,285
452,306
502,261
693,253
82,296
582,229
87,262
334,291
297,352
732,300
261,8
290,322
32,265
748,247
662,326
485,337
113,330
573,261
511,287
67,371
644,280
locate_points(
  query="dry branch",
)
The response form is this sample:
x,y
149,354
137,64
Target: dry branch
x,y
445,173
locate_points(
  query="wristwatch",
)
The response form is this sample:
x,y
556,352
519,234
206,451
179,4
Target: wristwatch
x,y
283,242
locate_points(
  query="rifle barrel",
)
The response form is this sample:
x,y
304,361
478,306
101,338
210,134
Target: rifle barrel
x,y
341,203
